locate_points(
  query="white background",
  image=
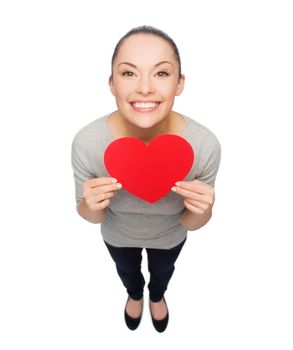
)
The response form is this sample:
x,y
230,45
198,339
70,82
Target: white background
x,y
232,288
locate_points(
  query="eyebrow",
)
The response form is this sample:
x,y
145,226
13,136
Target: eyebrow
x,y
134,66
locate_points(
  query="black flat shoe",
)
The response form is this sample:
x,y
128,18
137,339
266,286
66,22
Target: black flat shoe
x,y
160,325
132,323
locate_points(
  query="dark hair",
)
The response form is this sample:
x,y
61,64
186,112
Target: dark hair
x,y
148,30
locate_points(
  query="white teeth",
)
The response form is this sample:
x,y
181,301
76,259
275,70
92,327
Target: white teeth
x,y
145,104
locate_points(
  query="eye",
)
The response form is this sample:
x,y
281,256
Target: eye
x,y
128,73
163,74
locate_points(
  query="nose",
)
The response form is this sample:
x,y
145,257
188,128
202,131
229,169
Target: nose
x,y
145,86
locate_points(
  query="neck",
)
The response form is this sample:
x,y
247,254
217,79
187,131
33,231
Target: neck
x,y
146,135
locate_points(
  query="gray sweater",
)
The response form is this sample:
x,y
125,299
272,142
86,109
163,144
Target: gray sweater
x,y
129,220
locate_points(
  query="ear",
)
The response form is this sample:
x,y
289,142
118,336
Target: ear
x,y
180,85
111,84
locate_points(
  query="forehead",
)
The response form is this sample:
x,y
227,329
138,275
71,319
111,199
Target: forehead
x,y
145,47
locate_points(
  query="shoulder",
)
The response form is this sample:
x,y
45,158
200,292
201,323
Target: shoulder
x,y
200,135
207,150
91,133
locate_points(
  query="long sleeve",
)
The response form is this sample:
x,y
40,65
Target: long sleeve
x,y
82,169
210,151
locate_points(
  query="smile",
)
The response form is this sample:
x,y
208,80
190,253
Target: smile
x,y
145,106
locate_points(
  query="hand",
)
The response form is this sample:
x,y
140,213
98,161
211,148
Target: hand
x,y
97,192
199,197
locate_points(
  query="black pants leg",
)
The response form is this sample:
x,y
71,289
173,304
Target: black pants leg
x,y
128,265
160,264
161,267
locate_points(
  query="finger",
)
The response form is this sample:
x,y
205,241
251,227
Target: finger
x,y
99,181
188,194
94,191
195,185
101,197
193,208
99,202
197,204
101,205
107,188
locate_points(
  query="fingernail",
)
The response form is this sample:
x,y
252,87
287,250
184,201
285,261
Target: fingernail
x,y
177,183
119,186
173,189
114,180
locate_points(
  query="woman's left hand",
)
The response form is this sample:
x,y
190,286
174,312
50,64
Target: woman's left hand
x,y
199,197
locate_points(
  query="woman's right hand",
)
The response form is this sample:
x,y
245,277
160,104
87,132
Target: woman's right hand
x,y
98,191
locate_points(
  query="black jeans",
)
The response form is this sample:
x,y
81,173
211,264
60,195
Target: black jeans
x,y
160,265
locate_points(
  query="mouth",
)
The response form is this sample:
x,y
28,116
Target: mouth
x,y
144,107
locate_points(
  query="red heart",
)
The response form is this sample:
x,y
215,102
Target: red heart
x,y
149,171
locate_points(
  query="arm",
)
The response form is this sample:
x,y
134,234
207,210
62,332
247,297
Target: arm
x,y
199,194
199,199
95,217
92,193
193,221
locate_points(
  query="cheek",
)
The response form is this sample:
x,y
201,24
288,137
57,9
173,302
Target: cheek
x,y
169,93
123,89
168,90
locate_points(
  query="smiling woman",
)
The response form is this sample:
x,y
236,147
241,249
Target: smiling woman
x,y
145,79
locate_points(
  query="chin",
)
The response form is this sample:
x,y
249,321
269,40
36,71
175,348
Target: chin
x,y
143,125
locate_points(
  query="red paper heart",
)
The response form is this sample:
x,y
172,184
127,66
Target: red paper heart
x,y
149,171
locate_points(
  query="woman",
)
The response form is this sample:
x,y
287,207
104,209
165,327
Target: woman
x,y
146,76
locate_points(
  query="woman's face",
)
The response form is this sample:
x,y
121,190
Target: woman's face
x,y
145,79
